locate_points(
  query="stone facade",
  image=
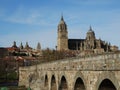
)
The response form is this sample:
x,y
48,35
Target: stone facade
x,y
80,73
89,44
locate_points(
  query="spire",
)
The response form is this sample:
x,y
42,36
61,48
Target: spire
x,y
62,19
14,44
21,46
38,46
62,25
26,46
90,28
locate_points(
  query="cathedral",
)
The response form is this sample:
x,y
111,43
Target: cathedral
x,y
89,44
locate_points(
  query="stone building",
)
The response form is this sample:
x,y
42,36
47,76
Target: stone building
x,y
26,50
89,44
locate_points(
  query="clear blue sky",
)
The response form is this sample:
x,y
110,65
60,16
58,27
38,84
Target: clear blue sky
x,y
36,21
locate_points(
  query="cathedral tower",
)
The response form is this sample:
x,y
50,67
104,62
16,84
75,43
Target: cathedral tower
x,y
62,40
90,34
90,39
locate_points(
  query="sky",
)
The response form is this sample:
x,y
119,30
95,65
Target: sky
x,y
36,21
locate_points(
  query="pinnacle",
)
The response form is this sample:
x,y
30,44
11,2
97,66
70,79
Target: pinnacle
x,y
62,19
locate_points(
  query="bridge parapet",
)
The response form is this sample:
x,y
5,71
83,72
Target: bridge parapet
x,y
94,64
99,62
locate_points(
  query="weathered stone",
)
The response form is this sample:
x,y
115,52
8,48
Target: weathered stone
x,y
91,70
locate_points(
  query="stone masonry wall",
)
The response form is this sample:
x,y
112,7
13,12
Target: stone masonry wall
x,y
92,70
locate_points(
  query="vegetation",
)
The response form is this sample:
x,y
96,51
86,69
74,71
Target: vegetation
x,y
49,54
9,64
8,77
14,88
8,70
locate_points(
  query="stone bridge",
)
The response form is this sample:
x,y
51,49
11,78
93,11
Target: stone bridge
x,y
100,72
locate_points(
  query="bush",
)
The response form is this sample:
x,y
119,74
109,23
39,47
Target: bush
x,y
12,76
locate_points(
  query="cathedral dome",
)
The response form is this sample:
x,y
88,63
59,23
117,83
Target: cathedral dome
x,y
90,34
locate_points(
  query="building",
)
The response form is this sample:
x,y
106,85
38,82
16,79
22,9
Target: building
x,y
24,50
3,52
89,44
62,40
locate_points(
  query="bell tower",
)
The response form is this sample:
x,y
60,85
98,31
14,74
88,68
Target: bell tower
x,y
62,40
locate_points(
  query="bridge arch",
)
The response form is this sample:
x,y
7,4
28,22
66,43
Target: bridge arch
x,y
63,84
107,85
107,76
46,81
53,83
79,81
